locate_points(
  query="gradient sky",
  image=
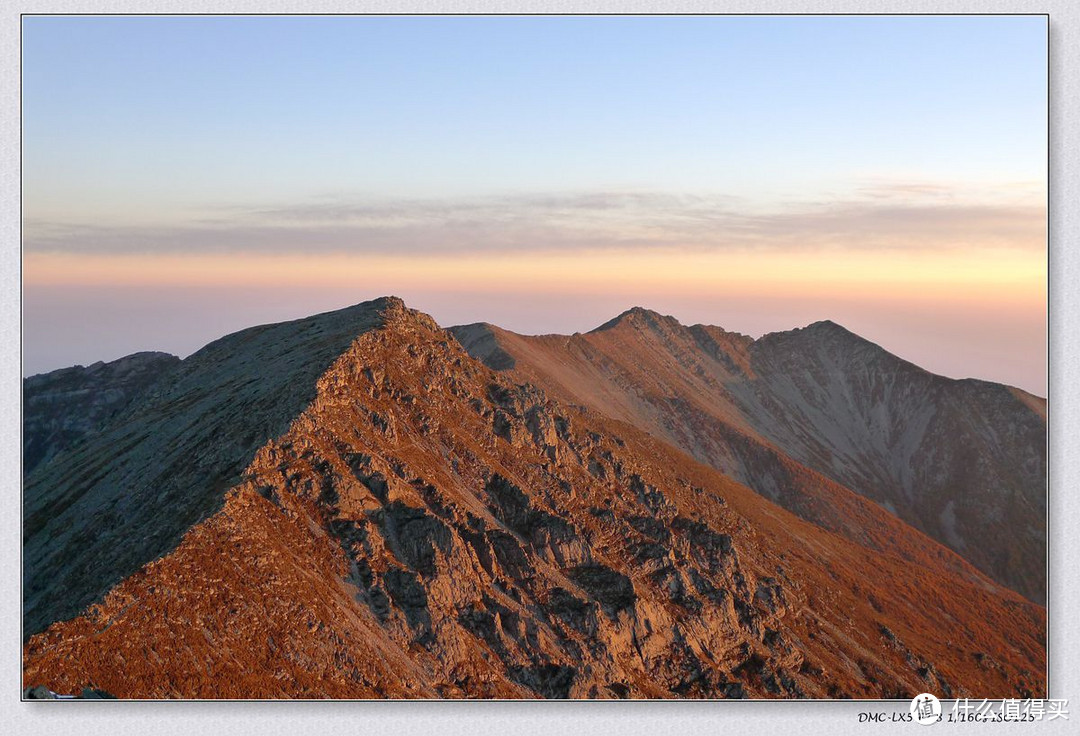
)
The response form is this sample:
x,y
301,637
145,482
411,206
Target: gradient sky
x,y
184,177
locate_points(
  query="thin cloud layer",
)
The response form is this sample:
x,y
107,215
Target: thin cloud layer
x,y
877,217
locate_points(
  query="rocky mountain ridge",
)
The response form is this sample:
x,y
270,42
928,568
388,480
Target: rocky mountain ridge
x,y
426,526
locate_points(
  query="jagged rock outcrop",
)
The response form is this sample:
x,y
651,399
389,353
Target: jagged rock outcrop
x,y
806,416
428,527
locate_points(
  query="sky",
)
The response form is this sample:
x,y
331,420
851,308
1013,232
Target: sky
x,y
184,177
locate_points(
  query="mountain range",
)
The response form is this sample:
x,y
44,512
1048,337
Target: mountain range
x,y
362,504
962,461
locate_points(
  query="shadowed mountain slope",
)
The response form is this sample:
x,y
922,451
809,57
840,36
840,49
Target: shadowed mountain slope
x,y
62,407
428,527
127,493
963,461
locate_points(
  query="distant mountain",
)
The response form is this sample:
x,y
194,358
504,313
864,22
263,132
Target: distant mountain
x,y
62,407
963,461
383,515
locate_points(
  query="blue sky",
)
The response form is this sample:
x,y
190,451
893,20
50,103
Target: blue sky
x,y
175,113
532,137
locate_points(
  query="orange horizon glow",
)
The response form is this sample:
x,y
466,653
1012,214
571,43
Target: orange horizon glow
x,y
951,276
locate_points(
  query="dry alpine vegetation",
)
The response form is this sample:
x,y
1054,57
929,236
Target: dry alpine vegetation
x,y
352,506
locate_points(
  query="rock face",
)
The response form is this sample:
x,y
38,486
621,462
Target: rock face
x,y
62,407
804,414
426,526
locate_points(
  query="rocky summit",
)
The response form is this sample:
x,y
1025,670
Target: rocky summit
x,y
354,506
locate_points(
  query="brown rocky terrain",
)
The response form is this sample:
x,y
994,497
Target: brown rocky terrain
x,y
426,526
963,461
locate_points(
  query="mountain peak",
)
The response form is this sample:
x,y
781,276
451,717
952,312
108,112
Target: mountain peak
x,y
384,307
639,317
821,330
826,329
393,310
388,302
827,326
